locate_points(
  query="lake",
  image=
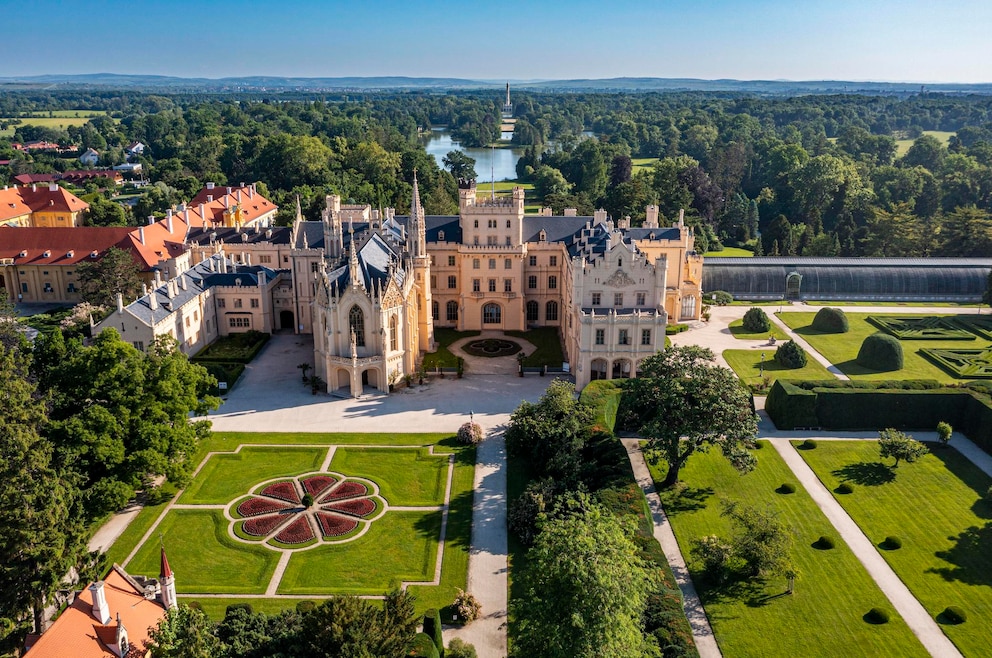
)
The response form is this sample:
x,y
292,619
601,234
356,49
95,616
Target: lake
x,y
500,163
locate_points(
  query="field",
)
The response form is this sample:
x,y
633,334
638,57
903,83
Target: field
x,y
902,145
747,365
642,164
730,252
60,119
218,563
842,349
936,507
824,616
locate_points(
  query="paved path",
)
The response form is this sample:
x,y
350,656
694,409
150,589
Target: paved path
x,y
702,633
915,615
824,361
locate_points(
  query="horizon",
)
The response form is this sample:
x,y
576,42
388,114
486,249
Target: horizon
x,y
911,42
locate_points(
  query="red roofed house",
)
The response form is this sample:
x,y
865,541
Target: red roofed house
x,y
231,207
111,617
40,205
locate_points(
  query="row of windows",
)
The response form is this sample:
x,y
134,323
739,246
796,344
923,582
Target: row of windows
x,y
552,282
240,322
507,262
623,337
477,285
492,223
550,311
238,303
639,298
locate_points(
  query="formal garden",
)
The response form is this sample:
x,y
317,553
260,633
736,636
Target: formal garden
x,y
290,517
931,522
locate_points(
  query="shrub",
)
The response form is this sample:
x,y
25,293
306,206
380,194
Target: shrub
x,y
304,607
715,555
432,629
721,297
808,444
459,649
892,543
787,488
880,352
955,615
944,431
470,433
844,488
673,329
239,606
988,495
791,355
522,514
877,616
308,500
830,321
423,647
755,321
467,606
824,543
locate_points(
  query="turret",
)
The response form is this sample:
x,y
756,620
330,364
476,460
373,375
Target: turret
x,y
418,226
167,582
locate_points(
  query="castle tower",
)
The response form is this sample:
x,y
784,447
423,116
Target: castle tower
x,y
333,230
417,246
167,581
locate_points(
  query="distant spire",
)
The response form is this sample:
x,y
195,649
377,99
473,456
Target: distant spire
x,y
299,210
508,93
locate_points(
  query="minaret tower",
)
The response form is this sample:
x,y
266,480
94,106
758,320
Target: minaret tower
x,y
167,581
417,247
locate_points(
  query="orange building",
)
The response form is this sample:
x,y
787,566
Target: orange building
x,y
40,206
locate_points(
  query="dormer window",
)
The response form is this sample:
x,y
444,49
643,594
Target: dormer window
x,y
47,254
440,235
542,236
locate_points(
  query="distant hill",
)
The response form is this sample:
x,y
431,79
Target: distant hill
x,y
277,84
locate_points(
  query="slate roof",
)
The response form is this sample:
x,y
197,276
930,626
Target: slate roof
x,y
374,258
231,236
314,232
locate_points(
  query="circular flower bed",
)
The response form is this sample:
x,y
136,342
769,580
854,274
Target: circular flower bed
x,y
275,512
491,347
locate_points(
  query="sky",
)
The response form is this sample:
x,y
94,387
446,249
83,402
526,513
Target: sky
x,y
899,41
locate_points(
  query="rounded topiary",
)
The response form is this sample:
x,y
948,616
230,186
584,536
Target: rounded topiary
x,y
787,488
755,321
954,615
830,321
470,433
308,500
824,543
877,616
808,444
844,488
721,297
892,543
247,607
880,352
791,355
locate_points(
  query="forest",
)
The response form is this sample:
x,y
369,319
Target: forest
x,y
813,175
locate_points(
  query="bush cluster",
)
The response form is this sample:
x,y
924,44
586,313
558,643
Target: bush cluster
x,y
824,543
672,329
467,606
830,321
880,352
791,355
721,297
756,321
844,488
955,615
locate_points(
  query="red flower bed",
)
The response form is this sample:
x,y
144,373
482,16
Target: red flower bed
x,y
346,490
317,484
357,507
262,525
256,506
332,525
297,532
283,491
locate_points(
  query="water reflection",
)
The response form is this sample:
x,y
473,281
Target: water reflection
x,y
491,164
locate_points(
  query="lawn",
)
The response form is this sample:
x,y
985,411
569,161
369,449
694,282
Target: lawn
x,y
902,145
642,164
61,119
443,356
730,252
548,344
737,329
225,477
409,478
747,365
935,507
842,349
756,618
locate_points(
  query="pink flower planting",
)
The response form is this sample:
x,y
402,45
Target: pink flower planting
x,y
332,525
356,507
256,506
297,532
346,490
317,484
284,491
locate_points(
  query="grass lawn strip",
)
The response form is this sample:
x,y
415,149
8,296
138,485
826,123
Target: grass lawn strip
x,y
935,507
842,349
832,592
747,365
406,477
224,476
738,331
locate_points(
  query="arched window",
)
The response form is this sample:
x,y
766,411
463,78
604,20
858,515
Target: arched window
x,y
394,339
492,314
452,311
356,322
551,312
532,310
435,311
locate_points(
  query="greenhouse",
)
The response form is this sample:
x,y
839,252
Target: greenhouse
x,y
851,279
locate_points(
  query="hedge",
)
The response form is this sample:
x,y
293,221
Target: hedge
x,y
235,348
423,646
604,396
672,329
432,629
830,321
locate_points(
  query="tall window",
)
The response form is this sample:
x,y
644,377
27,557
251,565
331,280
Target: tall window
x,y
433,281
476,263
532,310
551,312
600,336
688,307
394,333
507,264
618,299
532,261
597,298
476,285
553,261
509,242
507,223
507,285
492,240
451,311
623,337
435,311
356,322
452,282
532,282
475,223
451,261
492,314
492,263
645,336
492,285
491,223
552,282
640,299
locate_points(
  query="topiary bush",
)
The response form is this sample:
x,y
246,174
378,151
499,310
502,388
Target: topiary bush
x,y
954,615
844,488
721,297
830,321
877,616
459,649
755,321
791,355
824,543
787,488
880,352
432,629
892,543
808,444
470,433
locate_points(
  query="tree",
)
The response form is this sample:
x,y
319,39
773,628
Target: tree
x,y
758,539
548,180
184,632
116,273
899,446
350,627
583,588
681,402
105,213
791,355
460,165
41,534
756,320
944,432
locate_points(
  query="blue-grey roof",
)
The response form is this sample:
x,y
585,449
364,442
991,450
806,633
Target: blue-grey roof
x,y
274,235
194,279
374,258
314,234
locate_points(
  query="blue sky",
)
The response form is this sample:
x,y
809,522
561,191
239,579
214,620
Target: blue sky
x,y
912,40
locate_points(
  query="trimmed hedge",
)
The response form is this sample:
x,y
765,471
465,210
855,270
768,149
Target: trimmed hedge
x,y
880,352
954,615
672,329
432,629
235,348
844,488
604,396
756,321
877,616
423,647
830,321
892,543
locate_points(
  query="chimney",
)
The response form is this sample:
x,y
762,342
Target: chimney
x,y
101,611
210,198
34,187
229,191
210,186
239,196
182,283
168,220
53,187
251,191
546,212
141,234
203,215
571,212
120,303
261,279
153,300
681,217
599,216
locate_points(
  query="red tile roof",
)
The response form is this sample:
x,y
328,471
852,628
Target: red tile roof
x,y
18,201
63,246
30,179
219,198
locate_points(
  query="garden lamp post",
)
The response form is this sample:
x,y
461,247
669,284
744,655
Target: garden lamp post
x,y
761,371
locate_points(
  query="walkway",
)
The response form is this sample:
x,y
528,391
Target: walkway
x,y
702,633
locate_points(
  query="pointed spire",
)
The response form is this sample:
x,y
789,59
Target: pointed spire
x,y
418,227
299,210
354,272
166,570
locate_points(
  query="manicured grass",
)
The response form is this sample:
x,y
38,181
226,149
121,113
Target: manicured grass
x,y
833,302
756,618
935,507
548,344
443,356
410,478
400,546
902,145
737,329
747,365
642,164
204,557
119,550
842,349
225,477
229,441
730,252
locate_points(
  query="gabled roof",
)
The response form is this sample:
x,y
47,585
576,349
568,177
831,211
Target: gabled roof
x,y
217,200
58,243
374,258
22,200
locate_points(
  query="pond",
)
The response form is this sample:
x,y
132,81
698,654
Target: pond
x,y
499,163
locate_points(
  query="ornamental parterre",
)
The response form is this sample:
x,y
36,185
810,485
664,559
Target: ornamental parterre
x,y
275,513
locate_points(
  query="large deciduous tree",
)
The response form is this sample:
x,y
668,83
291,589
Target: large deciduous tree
x,y
116,273
899,446
460,165
681,402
